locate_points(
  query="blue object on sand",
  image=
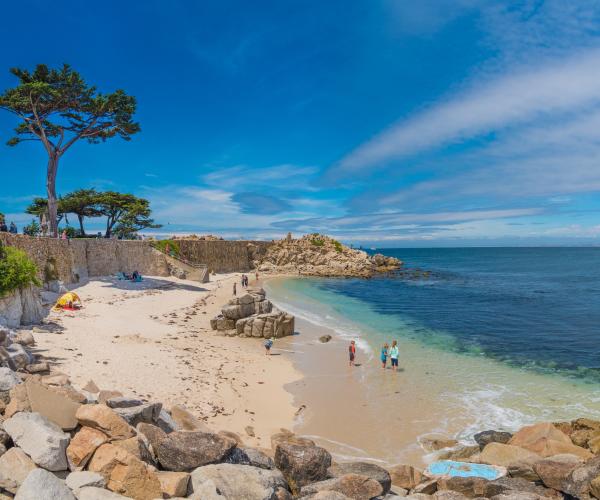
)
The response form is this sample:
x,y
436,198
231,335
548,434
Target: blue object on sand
x,y
463,469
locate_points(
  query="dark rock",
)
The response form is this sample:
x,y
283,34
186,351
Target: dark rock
x,y
554,470
250,456
325,338
486,437
123,402
147,413
302,465
185,450
366,469
352,485
509,485
152,434
578,482
471,487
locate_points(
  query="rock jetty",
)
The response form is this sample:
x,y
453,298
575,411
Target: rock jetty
x,y
60,442
320,255
252,315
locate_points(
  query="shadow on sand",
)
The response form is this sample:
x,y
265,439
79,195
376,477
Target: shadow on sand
x,y
147,284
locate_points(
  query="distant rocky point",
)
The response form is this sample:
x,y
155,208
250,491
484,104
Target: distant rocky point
x,y
320,255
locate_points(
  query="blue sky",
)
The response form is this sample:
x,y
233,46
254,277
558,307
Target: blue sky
x,y
381,122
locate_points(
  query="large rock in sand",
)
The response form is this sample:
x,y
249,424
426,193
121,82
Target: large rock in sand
x,y
546,440
124,473
133,415
104,419
352,485
43,485
56,407
239,481
42,440
8,379
302,465
83,445
554,470
84,478
186,450
246,455
506,454
15,465
366,469
186,421
173,484
486,437
578,483
405,476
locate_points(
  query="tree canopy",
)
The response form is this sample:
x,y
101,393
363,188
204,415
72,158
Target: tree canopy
x,y
83,203
57,108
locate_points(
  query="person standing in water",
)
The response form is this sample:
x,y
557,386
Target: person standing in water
x,y
384,355
394,355
352,352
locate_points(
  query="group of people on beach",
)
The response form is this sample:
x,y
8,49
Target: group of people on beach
x,y
387,351
8,229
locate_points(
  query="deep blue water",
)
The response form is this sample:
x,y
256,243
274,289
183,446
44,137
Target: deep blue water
x,y
532,307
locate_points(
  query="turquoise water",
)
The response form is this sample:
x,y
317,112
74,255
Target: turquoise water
x,y
484,346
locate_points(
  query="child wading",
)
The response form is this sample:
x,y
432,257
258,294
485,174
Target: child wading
x,y
394,355
352,352
268,345
384,355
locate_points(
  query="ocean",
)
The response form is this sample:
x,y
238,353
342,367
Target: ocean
x,y
489,338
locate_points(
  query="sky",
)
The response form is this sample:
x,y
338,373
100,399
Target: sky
x,y
385,123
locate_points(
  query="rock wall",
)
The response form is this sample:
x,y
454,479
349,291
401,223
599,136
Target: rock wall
x,y
222,256
21,307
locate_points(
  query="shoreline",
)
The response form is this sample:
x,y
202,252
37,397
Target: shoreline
x,y
153,340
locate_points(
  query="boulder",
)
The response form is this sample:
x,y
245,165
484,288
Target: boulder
x,y
15,465
506,454
133,415
274,324
91,387
186,450
43,485
8,379
238,481
81,479
302,465
152,434
509,485
578,482
123,402
486,437
524,469
186,421
94,493
471,487
41,439
104,396
124,473
250,456
24,337
554,470
327,495
166,422
138,447
435,443
405,476
460,452
104,419
448,495
18,401
595,487
352,485
325,338
83,445
54,406
286,436
546,440
173,484
366,469
426,487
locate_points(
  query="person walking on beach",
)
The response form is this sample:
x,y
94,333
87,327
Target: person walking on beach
x,y
394,355
352,352
235,289
384,355
268,345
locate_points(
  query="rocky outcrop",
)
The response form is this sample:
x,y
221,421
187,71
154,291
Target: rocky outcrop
x,y
252,315
21,307
319,255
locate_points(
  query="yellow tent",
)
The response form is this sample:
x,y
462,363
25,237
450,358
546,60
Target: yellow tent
x,y
69,299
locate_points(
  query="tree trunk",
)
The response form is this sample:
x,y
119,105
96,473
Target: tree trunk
x,y
80,217
51,190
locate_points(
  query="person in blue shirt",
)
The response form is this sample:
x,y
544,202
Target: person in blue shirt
x,y
394,355
384,355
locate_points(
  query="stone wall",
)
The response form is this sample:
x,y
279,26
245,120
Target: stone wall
x,y
222,256
74,260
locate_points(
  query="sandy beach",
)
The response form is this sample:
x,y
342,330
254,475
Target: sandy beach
x,y
153,340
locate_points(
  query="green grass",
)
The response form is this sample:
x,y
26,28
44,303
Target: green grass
x,y
16,270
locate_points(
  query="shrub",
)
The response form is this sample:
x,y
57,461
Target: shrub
x,y
162,246
71,232
32,229
338,246
16,270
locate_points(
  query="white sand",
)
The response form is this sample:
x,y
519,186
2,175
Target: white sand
x,y
153,340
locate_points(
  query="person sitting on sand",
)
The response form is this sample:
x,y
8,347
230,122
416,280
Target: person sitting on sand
x,y
352,352
384,355
268,345
394,355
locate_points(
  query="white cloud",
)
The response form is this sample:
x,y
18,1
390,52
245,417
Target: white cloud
x,y
511,100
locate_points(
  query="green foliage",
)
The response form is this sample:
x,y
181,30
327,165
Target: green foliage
x,y
125,211
338,246
16,270
32,229
71,232
162,246
316,240
83,203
